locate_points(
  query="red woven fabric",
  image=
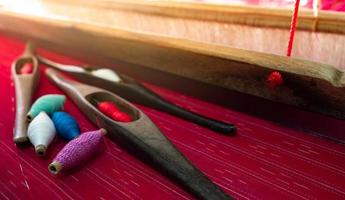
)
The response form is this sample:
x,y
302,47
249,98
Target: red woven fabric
x,y
264,161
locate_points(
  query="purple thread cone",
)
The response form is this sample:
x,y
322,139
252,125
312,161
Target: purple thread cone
x,y
77,151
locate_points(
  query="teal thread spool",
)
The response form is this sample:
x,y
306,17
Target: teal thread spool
x,y
48,103
66,126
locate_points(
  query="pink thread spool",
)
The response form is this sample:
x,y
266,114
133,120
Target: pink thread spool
x,y
77,151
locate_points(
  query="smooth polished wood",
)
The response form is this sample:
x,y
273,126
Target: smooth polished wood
x,y
25,85
140,134
133,91
309,85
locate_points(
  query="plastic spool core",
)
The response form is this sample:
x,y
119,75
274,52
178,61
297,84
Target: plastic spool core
x,y
41,153
29,118
52,169
40,150
55,167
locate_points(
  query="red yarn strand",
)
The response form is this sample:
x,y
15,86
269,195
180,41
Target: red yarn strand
x,y
293,28
111,110
275,78
27,68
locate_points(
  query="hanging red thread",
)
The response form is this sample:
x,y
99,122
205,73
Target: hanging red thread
x,y
293,28
275,78
27,68
112,111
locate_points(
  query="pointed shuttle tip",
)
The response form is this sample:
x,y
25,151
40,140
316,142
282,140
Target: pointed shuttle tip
x,y
20,140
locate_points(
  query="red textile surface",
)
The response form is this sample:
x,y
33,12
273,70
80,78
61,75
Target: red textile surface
x,y
264,160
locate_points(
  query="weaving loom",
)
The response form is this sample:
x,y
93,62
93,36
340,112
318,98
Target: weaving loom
x,y
289,142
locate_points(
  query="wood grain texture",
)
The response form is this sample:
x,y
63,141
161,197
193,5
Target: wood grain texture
x,y
308,84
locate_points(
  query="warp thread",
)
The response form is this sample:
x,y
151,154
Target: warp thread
x,y
111,110
47,103
66,126
275,78
41,132
77,151
293,28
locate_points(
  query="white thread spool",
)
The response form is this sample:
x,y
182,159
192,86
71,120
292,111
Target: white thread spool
x,y
107,74
41,132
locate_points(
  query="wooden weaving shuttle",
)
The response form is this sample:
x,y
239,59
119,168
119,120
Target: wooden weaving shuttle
x,y
140,135
133,91
24,88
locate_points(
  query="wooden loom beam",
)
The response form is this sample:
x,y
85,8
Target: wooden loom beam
x,y
326,21
310,85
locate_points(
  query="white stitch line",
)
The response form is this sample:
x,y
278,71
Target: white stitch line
x,y
328,186
231,113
